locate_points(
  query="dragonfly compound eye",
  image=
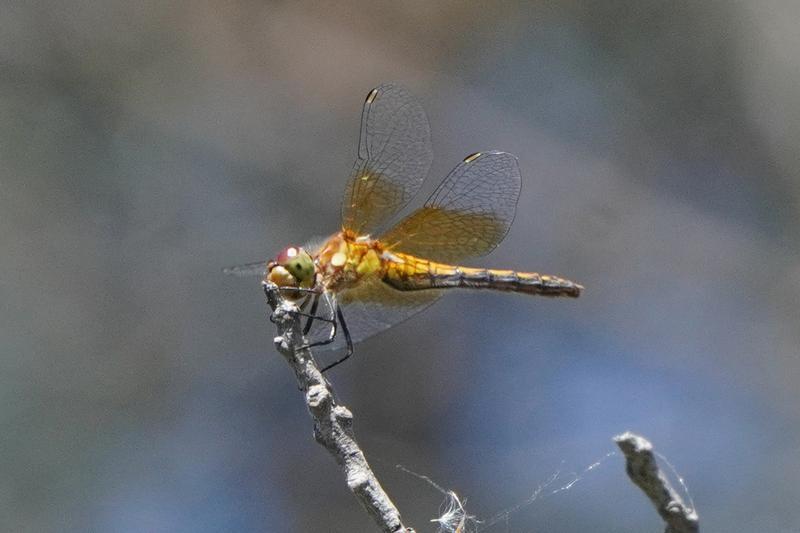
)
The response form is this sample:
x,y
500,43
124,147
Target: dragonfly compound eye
x,y
281,277
297,262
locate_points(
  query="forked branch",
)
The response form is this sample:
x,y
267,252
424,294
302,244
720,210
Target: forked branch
x,y
333,423
644,472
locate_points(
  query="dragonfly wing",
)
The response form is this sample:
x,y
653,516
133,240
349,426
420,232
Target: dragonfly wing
x,y
467,215
370,308
250,269
394,156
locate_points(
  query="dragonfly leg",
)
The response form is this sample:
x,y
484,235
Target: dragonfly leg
x,y
330,339
313,316
300,289
309,316
348,340
310,321
314,291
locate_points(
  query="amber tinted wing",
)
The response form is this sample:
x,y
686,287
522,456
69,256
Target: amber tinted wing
x,y
468,214
394,155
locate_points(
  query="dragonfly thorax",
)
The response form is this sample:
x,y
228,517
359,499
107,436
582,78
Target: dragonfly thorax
x,y
344,260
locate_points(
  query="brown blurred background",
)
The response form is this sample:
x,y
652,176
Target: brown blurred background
x,y
146,145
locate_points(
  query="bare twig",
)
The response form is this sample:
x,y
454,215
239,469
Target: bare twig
x,y
644,472
333,424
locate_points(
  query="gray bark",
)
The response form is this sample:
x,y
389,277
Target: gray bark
x,y
333,423
644,472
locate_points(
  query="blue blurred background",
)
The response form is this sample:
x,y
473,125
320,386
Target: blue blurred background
x,y
146,145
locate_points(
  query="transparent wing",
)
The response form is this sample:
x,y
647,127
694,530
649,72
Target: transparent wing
x,y
250,269
468,214
394,156
370,308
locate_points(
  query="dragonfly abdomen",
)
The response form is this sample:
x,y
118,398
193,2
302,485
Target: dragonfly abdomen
x,y
429,275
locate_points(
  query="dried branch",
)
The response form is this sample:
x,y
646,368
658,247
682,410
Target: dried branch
x,y
644,472
333,424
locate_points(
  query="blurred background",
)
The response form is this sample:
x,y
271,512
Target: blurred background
x,y
146,145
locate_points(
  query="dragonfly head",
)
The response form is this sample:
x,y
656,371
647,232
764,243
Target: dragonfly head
x,y
293,267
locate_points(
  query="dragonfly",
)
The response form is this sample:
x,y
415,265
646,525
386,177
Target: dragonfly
x,y
371,275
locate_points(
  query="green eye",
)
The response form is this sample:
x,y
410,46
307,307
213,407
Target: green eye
x,y
301,266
